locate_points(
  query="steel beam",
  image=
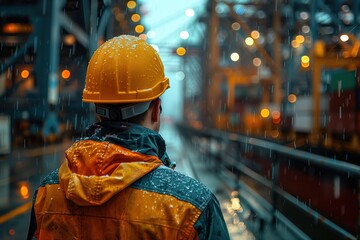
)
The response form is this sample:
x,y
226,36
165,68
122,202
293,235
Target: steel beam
x,y
74,29
18,53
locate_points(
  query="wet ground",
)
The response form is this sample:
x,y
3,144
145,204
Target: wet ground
x,y
239,219
22,171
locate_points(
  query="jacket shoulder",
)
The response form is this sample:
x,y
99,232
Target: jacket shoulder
x,y
52,178
167,181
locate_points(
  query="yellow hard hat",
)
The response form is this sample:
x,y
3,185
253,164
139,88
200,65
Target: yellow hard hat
x,y
125,69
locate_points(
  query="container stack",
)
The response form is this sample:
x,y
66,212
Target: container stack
x,y
343,107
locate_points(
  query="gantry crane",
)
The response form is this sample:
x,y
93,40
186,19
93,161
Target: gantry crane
x,y
292,30
48,37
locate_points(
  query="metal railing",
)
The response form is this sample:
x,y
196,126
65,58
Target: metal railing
x,y
339,167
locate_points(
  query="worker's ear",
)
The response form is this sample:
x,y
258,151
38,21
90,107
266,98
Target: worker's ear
x,y
156,110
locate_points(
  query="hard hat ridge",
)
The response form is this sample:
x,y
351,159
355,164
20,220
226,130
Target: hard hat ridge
x,y
125,69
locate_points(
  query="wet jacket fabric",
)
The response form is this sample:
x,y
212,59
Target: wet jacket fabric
x,y
116,184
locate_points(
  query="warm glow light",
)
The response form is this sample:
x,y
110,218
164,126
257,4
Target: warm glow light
x,y
69,39
139,28
234,57
295,44
305,64
135,17
276,117
265,112
300,39
292,98
143,36
276,120
10,28
235,26
65,74
17,28
25,73
257,62
255,34
249,41
344,37
181,51
24,191
305,59
131,4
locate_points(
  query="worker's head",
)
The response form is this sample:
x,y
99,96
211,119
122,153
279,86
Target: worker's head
x,y
125,78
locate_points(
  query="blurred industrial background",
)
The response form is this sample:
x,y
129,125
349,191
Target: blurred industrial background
x,y
265,98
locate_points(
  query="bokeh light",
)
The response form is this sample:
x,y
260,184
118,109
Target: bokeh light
x,y
69,39
300,39
234,57
181,51
25,73
305,59
295,44
344,37
265,112
65,74
143,36
255,34
24,190
257,62
135,17
292,98
235,26
184,35
151,34
276,119
139,28
190,12
249,41
180,75
131,4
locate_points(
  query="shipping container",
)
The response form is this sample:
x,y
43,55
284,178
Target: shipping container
x,y
343,122
342,80
344,100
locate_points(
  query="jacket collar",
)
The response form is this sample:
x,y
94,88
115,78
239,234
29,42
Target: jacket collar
x,y
131,136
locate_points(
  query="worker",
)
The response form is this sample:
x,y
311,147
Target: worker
x,y
117,182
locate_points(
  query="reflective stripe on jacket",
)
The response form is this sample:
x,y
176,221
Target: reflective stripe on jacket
x,y
115,184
